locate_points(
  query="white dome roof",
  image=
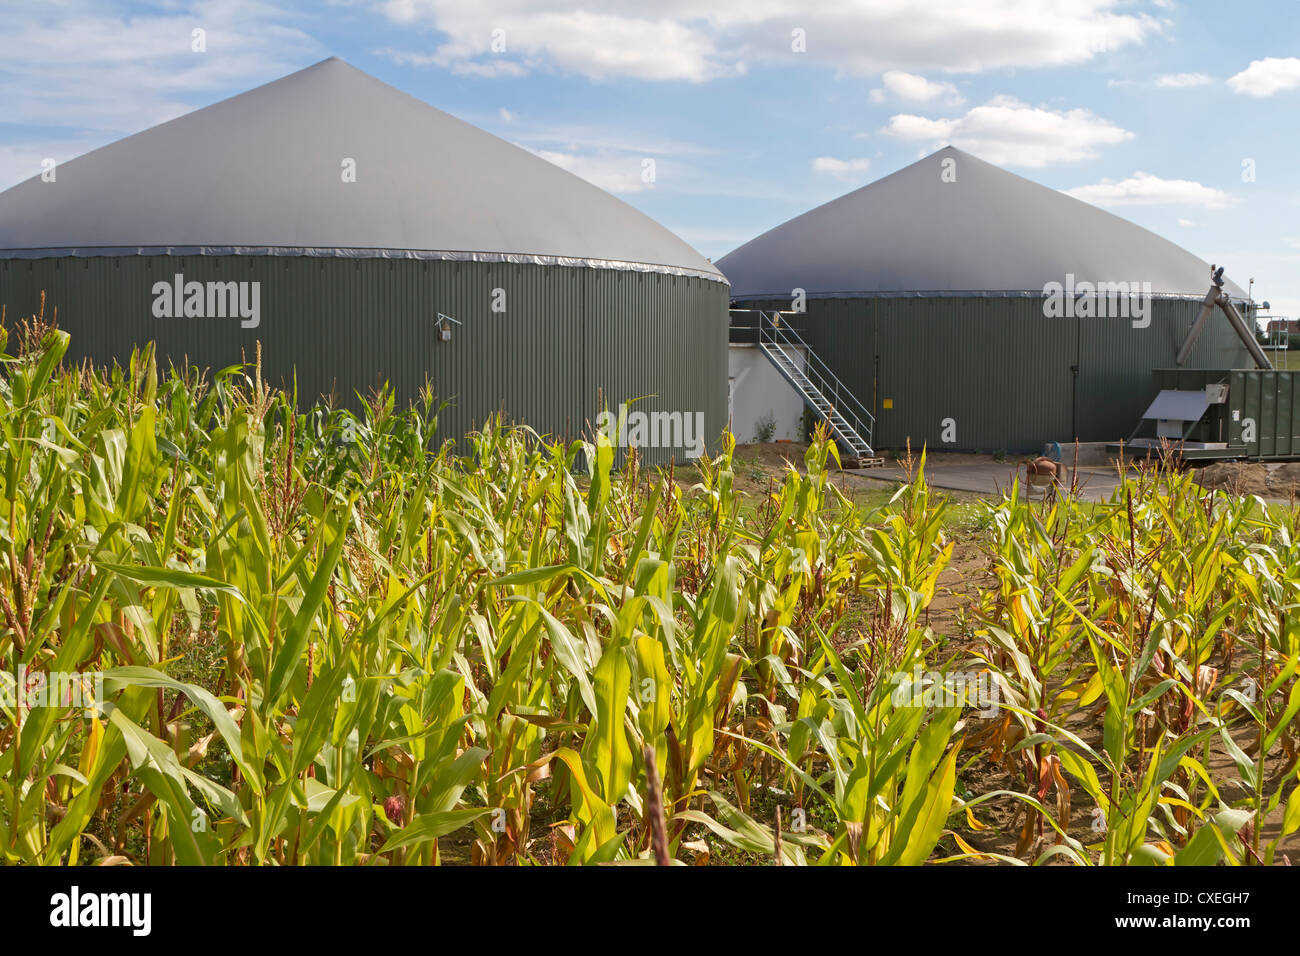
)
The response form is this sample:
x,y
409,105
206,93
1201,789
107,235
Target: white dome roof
x,y
986,232
262,173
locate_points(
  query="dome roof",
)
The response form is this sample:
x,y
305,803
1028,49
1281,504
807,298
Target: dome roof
x,y
984,232
263,173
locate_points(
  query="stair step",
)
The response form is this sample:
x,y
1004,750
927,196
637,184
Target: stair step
x,y
845,432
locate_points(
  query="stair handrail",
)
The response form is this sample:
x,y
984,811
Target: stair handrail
x,y
842,400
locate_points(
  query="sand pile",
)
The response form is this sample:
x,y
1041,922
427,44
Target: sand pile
x,y
1251,478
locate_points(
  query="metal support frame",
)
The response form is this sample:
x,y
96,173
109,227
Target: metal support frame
x,y
1216,296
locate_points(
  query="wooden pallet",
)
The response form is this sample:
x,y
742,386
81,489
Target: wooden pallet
x,y
857,463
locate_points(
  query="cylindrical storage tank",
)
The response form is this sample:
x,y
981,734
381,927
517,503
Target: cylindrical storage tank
x,y
971,309
361,237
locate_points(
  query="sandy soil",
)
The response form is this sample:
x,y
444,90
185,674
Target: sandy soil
x,y
1266,479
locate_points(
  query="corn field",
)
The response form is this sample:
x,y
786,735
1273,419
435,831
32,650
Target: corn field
x,y
319,641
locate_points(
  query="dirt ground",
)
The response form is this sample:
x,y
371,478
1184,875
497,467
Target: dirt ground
x,y
758,466
1268,480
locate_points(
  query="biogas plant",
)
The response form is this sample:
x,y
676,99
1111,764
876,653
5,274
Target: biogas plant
x,y
964,307
359,236
363,237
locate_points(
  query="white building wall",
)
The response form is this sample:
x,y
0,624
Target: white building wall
x,y
755,390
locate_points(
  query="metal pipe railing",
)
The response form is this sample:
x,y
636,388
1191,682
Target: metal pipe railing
x,y
843,401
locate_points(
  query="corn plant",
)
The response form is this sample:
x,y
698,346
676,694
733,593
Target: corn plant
x,y
318,635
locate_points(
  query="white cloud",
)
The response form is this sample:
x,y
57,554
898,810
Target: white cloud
x,y
488,69
713,236
841,168
1182,81
614,159
612,172
1267,76
1165,81
506,115
677,40
513,38
1277,275
591,138
1006,131
1144,189
1188,223
76,66
914,89
22,161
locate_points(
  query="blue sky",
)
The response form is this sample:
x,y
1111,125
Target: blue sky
x,y
1181,116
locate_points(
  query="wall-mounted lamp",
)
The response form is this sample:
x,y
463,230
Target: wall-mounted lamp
x,y
444,326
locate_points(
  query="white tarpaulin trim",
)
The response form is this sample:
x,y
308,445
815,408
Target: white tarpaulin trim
x,y
940,294
346,253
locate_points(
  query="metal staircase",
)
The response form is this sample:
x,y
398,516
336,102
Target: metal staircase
x,y
849,422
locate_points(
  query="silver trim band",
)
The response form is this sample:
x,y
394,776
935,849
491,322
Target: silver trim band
x,y
83,252
945,294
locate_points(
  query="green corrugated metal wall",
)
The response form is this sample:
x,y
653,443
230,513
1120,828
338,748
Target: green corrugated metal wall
x,y
567,336
998,366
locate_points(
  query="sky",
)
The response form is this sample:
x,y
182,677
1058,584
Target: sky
x,y
1180,115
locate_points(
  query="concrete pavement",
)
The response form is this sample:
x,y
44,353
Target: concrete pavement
x,y
989,478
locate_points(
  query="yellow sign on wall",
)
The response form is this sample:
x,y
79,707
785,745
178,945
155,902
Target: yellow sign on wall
x,y
889,403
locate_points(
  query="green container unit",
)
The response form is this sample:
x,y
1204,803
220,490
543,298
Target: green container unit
x,y
569,339
1259,421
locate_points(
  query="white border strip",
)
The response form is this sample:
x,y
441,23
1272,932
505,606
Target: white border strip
x,y
942,294
83,252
